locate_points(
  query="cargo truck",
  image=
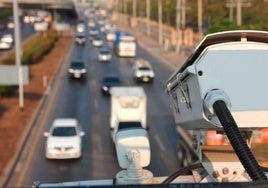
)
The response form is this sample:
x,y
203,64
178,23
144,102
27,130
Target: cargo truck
x,y
124,45
128,108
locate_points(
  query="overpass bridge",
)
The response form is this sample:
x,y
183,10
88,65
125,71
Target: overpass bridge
x,y
63,5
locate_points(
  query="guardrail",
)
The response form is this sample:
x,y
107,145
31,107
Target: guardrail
x,y
188,39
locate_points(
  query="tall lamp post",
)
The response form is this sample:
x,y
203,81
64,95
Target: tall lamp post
x,y
160,24
125,10
239,4
178,24
18,51
134,8
200,17
148,8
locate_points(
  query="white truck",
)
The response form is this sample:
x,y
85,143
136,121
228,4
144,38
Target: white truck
x,y
125,45
129,134
128,108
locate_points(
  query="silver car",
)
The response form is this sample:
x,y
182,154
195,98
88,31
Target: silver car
x,y
104,55
64,139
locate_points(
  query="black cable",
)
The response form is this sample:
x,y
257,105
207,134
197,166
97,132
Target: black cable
x,y
264,168
182,171
238,143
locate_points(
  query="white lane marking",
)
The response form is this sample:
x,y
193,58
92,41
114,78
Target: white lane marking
x,y
99,144
19,167
96,104
159,142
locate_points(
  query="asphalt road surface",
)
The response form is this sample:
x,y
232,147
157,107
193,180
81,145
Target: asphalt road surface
x,y
83,100
26,31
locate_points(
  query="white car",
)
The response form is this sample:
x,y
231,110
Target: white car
x,y
97,41
64,139
8,38
142,71
93,31
111,35
80,28
91,23
5,45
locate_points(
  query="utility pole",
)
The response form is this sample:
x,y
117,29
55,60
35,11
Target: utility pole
x,y
148,8
134,8
239,4
160,25
125,11
183,14
239,12
116,5
200,17
178,24
18,52
231,5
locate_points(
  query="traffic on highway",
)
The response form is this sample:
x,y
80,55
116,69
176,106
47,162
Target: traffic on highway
x,y
117,113
78,94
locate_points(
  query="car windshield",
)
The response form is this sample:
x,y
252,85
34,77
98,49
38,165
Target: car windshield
x,y
111,79
93,30
64,131
77,65
104,52
97,38
80,36
144,68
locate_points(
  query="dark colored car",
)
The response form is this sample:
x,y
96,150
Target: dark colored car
x,y
77,69
108,82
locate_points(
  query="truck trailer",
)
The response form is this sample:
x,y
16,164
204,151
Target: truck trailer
x,y
128,108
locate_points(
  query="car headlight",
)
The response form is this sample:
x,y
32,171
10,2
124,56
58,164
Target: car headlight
x,y
84,70
138,74
71,70
105,88
76,146
50,146
152,74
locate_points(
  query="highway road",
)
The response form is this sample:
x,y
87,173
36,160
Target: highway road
x,y
83,100
26,31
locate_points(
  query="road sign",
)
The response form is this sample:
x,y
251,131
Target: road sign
x,y
9,75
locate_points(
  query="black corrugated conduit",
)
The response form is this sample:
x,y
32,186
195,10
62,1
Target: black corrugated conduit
x,y
182,171
238,143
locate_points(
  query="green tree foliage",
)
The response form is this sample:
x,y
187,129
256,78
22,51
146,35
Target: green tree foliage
x,y
34,50
5,13
215,14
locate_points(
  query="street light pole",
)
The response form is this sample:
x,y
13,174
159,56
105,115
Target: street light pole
x,y
134,8
199,5
183,14
160,25
231,11
18,51
238,4
148,8
239,12
125,10
116,5
178,24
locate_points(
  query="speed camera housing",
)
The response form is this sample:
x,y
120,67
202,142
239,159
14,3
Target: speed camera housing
x,y
231,65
